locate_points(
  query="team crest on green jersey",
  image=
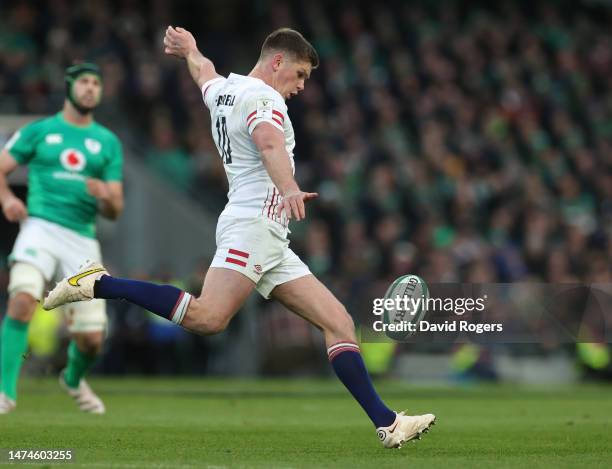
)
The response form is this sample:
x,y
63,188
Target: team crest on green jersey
x,y
93,146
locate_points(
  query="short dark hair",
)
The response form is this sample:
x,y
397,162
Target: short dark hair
x,y
291,41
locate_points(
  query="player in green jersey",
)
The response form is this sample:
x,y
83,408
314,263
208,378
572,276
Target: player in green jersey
x,y
75,172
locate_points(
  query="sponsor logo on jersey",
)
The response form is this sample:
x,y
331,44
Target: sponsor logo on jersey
x,y
73,160
54,139
93,146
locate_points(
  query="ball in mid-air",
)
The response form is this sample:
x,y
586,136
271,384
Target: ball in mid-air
x,y
409,294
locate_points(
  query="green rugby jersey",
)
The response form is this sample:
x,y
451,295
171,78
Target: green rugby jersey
x,y
60,157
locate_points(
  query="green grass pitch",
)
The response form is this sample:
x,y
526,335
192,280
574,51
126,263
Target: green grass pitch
x,y
203,423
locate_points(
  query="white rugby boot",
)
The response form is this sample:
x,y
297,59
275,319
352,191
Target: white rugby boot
x,y
6,404
405,428
79,287
86,399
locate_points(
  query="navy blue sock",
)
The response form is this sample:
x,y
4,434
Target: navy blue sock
x,y
164,300
350,369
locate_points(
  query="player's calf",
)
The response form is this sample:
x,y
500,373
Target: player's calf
x,y
83,352
204,320
89,343
93,281
14,344
223,294
25,285
338,325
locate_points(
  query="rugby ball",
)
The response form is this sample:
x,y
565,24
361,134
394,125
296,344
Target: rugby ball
x,y
409,294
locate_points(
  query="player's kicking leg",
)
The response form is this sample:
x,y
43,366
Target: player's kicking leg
x,y
309,298
223,293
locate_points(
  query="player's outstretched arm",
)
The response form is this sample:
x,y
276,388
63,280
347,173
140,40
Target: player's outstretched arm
x,y
271,145
12,207
180,42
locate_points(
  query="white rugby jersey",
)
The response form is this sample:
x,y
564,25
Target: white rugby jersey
x,y
237,104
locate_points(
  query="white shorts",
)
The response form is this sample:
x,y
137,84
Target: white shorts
x,y
58,252
259,249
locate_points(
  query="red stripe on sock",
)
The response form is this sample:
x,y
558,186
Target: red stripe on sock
x,y
180,298
342,342
239,253
337,352
235,261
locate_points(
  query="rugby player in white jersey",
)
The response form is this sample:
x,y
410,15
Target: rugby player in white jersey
x,y
255,139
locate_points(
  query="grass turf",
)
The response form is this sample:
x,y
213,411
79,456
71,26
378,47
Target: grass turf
x,y
303,423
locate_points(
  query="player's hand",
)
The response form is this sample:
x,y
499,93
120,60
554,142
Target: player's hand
x,y
179,42
14,209
293,204
98,189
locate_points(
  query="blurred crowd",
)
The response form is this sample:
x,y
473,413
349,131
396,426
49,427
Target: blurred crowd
x,y
462,143
454,142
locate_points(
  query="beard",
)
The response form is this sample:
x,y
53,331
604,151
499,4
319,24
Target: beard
x,y
83,109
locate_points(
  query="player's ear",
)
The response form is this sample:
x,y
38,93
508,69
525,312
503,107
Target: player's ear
x,y
277,60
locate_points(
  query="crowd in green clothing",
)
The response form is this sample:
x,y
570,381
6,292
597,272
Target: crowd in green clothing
x,y
456,141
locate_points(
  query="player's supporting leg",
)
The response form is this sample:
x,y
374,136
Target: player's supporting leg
x,y
26,284
14,341
309,298
83,351
223,293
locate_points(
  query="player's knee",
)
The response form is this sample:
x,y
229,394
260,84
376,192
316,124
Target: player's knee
x,y
204,320
91,349
26,285
21,307
90,344
215,325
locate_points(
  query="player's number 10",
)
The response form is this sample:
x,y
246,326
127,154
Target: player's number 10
x,y
223,143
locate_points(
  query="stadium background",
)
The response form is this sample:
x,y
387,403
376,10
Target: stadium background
x,y
458,143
